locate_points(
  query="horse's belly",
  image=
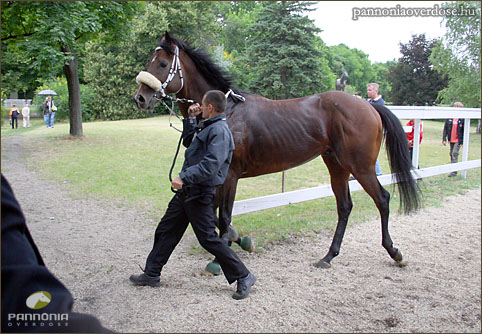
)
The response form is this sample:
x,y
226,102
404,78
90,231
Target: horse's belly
x,y
280,159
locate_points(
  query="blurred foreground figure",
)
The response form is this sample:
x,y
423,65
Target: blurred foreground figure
x,y
33,300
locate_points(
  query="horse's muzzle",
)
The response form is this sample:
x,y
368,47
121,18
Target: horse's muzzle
x,y
143,102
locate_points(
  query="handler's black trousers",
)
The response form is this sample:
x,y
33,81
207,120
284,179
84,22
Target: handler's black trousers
x,y
199,211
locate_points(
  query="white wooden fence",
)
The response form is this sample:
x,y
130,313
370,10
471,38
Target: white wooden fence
x,y
402,112
20,103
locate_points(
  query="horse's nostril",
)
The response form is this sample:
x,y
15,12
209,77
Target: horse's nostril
x,y
140,98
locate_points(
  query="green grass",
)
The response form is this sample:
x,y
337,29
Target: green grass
x,y
129,162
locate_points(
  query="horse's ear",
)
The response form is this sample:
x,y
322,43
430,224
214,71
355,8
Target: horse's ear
x,y
166,37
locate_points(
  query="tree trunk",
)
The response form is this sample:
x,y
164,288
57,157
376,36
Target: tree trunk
x,y
72,75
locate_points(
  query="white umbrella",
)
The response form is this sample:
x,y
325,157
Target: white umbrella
x,y
47,92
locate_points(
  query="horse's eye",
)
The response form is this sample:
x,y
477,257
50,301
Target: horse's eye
x,y
163,63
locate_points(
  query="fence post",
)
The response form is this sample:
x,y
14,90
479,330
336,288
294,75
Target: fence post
x,y
283,186
465,148
416,143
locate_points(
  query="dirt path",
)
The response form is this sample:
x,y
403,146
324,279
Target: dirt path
x,y
93,246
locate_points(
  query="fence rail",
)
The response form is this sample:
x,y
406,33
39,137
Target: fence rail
x,y
402,112
20,103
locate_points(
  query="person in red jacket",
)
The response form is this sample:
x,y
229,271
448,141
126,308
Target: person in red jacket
x,y
454,133
411,135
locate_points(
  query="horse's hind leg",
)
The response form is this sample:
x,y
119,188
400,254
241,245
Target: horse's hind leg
x,y
381,197
339,184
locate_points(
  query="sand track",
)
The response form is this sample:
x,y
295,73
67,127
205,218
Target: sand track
x,y
93,246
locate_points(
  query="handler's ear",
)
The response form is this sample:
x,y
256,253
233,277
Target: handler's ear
x,y
211,107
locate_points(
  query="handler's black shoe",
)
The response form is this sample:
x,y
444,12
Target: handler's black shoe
x,y
244,286
144,279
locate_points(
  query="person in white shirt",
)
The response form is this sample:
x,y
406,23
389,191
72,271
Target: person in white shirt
x,y
26,116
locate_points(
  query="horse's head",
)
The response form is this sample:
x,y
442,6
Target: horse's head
x,y
163,75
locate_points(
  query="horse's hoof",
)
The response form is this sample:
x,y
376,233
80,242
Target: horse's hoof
x,y
398,257
322,264
247,244
232,234
213,268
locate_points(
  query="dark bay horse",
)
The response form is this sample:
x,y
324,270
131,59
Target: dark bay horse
x,y
272,136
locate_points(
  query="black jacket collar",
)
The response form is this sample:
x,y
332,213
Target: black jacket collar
x,y
208,122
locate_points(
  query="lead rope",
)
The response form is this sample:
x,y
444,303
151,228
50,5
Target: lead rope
x,y
173,164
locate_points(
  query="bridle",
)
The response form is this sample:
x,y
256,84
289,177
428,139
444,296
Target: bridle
x,y
160,95
160,87
175,67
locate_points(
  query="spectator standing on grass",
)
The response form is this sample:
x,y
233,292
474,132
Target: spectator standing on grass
x,y
26,116
375,98
46,112
454,133
14,116
49,110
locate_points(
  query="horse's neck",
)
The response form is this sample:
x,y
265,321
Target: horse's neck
x,y
193,90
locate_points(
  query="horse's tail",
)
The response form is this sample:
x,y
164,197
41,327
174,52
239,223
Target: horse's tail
x,y
399,159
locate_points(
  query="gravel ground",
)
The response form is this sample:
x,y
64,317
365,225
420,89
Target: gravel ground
x,y
93,246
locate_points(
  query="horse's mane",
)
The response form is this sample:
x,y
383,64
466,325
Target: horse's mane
x,y
216,76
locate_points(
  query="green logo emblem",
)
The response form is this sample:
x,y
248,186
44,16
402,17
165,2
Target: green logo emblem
x,y
38,300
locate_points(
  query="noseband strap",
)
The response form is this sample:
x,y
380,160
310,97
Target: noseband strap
x,y
148,79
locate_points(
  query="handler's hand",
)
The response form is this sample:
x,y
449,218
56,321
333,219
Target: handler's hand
x,y
194,110
177,183
444,143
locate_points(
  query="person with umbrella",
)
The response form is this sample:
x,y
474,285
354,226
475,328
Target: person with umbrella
x,y
49,110
48,107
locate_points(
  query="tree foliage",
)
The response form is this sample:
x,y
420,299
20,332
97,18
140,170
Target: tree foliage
x,y
355,62
54,34
111,69
458,55
414,81
270,48
281,51
381,72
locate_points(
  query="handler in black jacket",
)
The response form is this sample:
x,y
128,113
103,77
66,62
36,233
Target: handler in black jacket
x,y
207,158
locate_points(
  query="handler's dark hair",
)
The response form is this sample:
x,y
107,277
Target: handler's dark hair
x,y
217,99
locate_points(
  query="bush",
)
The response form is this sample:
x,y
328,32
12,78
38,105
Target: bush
x,y
5,112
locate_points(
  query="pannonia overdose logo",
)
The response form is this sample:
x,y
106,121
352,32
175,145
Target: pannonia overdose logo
x,y
36,301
